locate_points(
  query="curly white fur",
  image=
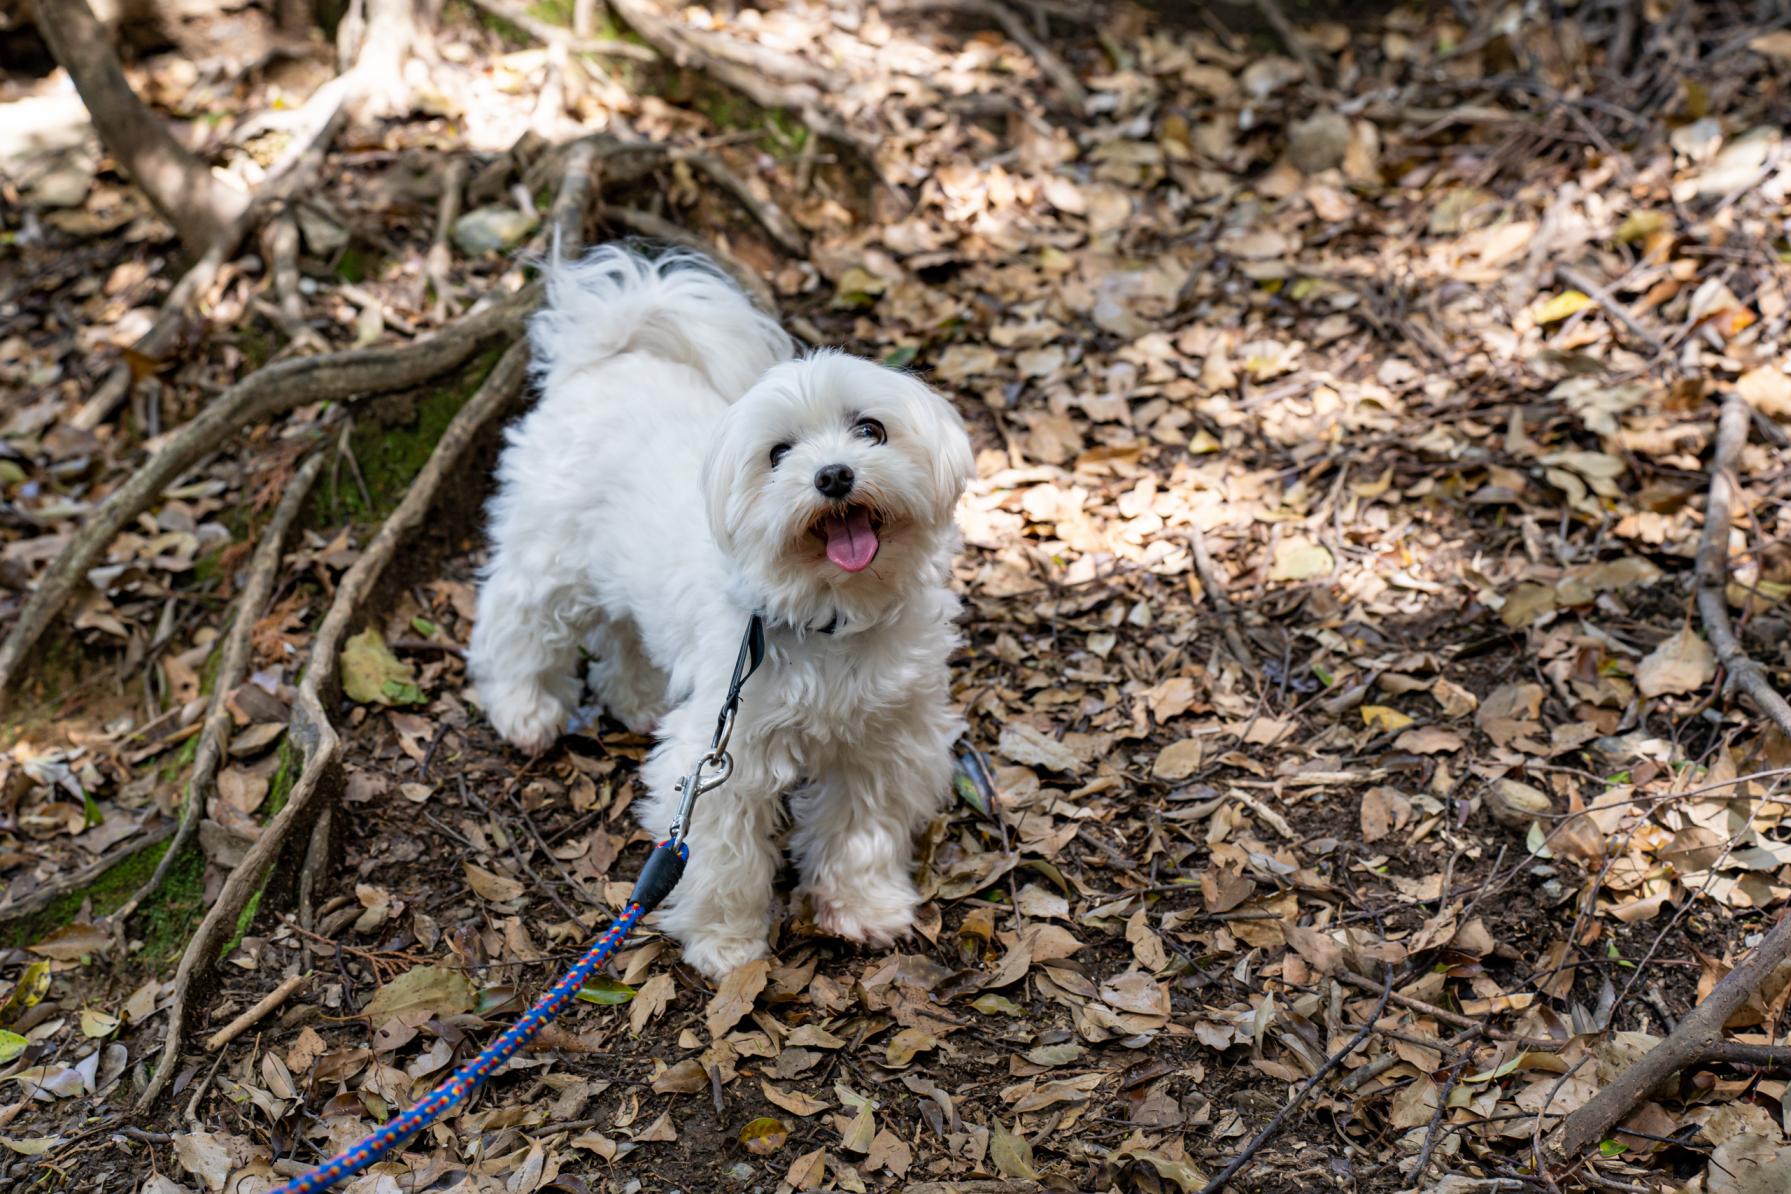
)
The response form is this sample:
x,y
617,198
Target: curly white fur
x,y
640,516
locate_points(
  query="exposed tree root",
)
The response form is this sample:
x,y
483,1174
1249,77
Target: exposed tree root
x,y
1697,1040
269,391
573,41
770,216
291,176
1712,568
446,296
566,218
311,728
201,206
768,79
50,892
233,665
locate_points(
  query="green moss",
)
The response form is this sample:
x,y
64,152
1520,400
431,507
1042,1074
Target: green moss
x,y
243,921
285,775
554,12
257,344
354,265
166,920
392,450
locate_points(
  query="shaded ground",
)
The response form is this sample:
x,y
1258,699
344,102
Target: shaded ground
x,y
1449,720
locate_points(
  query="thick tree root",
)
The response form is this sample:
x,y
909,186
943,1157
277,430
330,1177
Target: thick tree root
x,y
768,79
1712,568
273,390
1697,1040
311,730
233,665
291,176
78,880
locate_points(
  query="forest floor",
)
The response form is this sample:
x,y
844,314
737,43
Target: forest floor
x,y
1344,419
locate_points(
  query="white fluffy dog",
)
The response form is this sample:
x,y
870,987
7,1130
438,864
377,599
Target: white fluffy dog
x,y
682,470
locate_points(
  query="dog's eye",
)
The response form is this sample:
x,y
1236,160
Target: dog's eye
x,y
870,429
778,452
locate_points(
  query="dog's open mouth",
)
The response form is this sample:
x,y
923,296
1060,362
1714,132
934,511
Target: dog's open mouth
x,y
850,535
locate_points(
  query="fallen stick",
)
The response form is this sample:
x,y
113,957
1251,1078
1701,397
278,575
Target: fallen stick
x,y
1215,592
233,665
1223,1178
1711,568
311,728
268,391
273,999
1698,1037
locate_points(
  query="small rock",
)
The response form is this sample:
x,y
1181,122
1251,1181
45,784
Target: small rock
x,y
1319,142
1515,805
64,183
492,230
739,1171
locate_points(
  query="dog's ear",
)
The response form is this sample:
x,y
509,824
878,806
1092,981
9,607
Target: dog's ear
x,y
954,464
723,472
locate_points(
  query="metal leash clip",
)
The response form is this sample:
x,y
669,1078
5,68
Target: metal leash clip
x,y
718,761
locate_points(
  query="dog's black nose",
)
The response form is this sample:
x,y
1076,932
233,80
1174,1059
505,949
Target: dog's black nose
x,y
834,481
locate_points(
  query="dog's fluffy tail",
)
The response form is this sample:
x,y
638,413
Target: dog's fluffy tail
x,y
678,306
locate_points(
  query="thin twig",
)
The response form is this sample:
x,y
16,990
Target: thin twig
x,y
268,1003
1268,1133
1613,306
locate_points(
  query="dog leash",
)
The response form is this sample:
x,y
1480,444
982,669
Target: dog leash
x,y
661,872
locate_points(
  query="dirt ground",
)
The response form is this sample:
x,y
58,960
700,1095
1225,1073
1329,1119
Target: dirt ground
x,y
1344,422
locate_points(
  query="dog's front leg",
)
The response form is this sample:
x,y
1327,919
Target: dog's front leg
x,y
720,912
854,837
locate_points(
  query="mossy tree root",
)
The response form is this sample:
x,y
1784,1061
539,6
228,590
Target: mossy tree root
x,y
233,664
273,390
311,730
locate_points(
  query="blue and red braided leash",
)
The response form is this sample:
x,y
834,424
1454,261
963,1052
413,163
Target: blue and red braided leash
x,y
661,872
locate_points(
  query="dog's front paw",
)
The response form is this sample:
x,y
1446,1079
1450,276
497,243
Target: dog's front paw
x,y
529,720
867,919
718,955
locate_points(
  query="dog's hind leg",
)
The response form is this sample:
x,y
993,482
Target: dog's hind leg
x,y
629,685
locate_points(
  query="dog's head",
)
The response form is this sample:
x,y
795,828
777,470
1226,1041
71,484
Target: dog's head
x,y
831,485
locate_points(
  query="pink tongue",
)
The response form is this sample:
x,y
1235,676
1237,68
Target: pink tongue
x,y
851,543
